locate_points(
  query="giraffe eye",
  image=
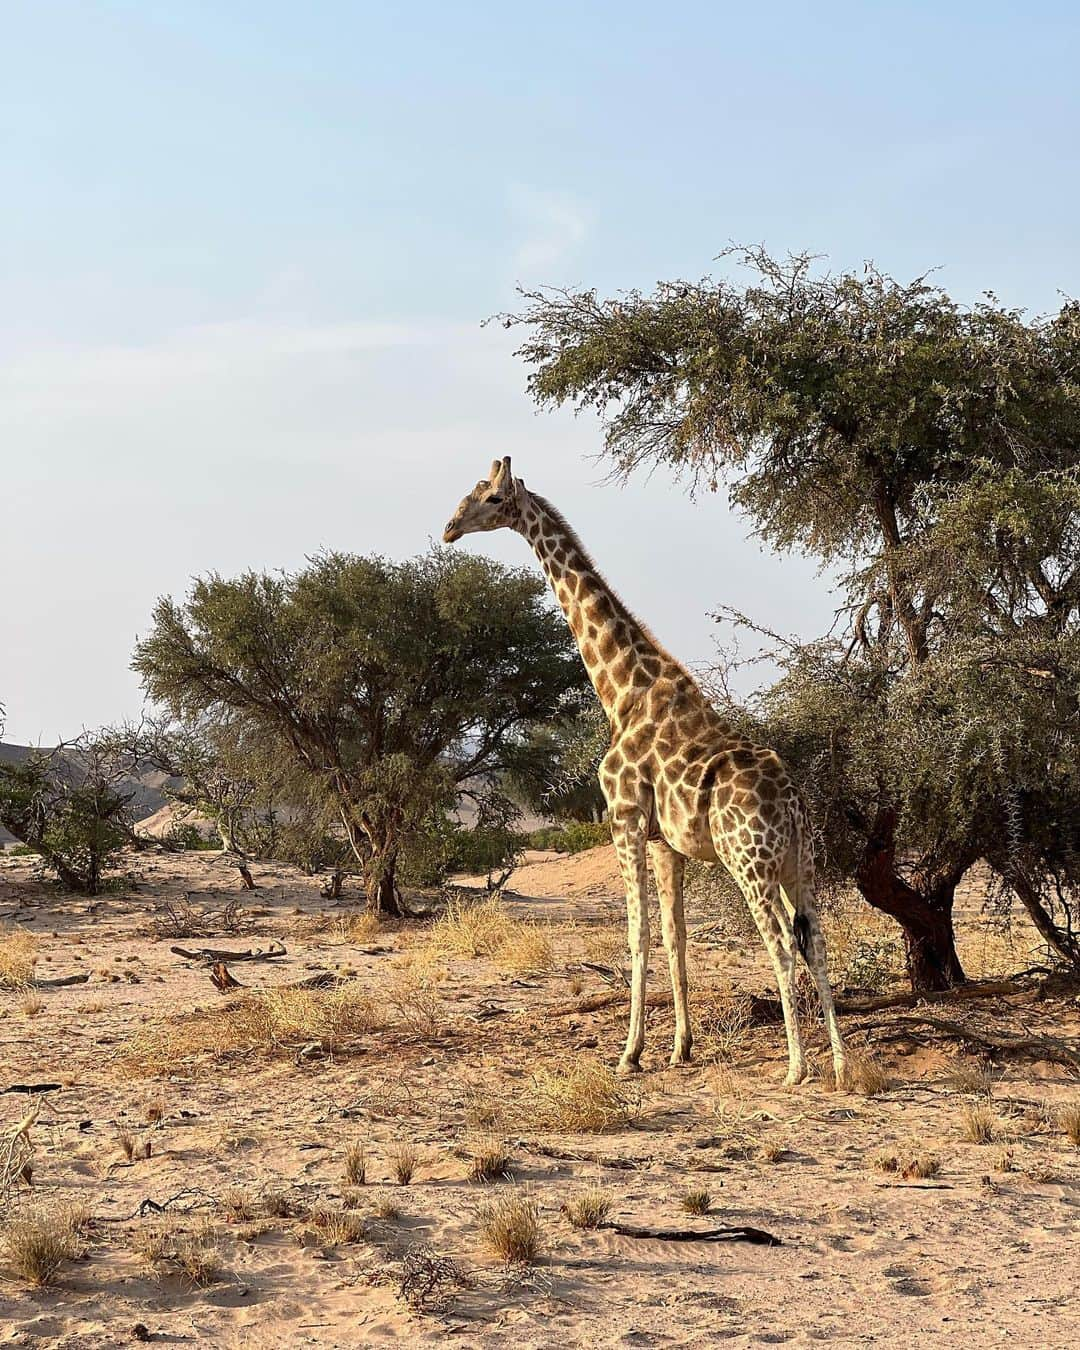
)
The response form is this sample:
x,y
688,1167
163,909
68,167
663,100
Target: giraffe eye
x,y
496,499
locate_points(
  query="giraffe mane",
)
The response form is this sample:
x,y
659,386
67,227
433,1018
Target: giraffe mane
x,y
575,539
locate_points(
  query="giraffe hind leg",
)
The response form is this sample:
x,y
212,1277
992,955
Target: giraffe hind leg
x,y
668,868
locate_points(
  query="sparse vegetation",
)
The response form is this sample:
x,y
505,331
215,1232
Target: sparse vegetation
x,y
977,1124
356,1164
337,1227
697,1200
474,928
589,1209
18,956
403,1160
583,1096
489,1161
37,1241
510,1226
1068,1118
385,1205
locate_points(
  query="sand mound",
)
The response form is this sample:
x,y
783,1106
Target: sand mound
x,y
173,814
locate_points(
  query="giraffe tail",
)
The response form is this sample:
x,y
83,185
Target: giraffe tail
x,y
801,927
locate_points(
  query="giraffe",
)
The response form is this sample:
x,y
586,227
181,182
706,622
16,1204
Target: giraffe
x,y
678,781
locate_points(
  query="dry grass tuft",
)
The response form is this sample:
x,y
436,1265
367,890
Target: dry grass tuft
x,y
772,1152
697,1200
386,1206
403,1160
1068,1118
37,1242
356,928
977,1124
867,1076
31,1004
511,1227
18,956
278,1204
337,1227
490,1161
907,1165
195,1257
472,928
356,1164
589,1209
271,1022
976,1079
583,1097
483,1110
239,1204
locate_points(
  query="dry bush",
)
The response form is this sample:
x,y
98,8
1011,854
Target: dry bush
x,y
272,1021
605,945
977,1124
182,919
582,1097
511,1227
153,1242
31,1004
472,928
490,1161
356,1164
416,1002
428,1281
18,956
1068,1118
589,1209
772,1152
696,1200
403,1160
337,1227
1005,1161
724,1023
885,1161
36,1242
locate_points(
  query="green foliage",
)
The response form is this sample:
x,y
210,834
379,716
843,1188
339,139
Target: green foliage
x,y
929,452
382,687
553,769
70,806
572,836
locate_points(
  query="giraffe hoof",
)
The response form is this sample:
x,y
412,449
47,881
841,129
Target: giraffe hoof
x,y
679,1057
795,1077
628,1067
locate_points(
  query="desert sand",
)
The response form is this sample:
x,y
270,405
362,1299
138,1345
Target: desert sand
x,y
248,1143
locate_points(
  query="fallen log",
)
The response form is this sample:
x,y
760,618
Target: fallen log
x,y
764,1008
30,1089
1001,1042
210,956
738,1233
223,980
62,982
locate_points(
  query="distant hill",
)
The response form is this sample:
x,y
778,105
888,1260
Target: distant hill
x,y
146,785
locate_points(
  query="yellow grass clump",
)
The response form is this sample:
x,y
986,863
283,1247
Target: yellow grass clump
x,y
583,1097
18,956
36,1242
589,1209
696,1201
977,1124
1069,1119
511,1227
472,928
272,1021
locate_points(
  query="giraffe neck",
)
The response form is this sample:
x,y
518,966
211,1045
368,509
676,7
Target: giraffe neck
x,y
621,657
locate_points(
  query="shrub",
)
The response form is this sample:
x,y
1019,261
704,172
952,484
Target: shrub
x,y
572,836
589,1209
18,956
584,1097
511,1227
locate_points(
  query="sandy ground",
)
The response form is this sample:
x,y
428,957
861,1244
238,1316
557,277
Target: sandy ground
x,y
976,1254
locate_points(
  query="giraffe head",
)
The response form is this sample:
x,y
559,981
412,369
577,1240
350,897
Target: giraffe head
x,y
493,504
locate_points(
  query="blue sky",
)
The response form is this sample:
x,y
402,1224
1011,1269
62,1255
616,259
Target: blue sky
x,y
246,249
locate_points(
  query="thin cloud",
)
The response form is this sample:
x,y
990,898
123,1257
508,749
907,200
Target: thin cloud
x,y
551,226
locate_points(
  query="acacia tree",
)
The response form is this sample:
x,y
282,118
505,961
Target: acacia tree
x,y
845,414
388,686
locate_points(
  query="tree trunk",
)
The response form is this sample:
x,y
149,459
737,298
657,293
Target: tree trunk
x,y
925,916
380,887
1058,939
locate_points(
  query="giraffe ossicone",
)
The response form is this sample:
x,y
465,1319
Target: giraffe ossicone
x,y
679,782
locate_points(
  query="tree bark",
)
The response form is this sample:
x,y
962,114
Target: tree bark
x,y
380,886
1058,939
925,916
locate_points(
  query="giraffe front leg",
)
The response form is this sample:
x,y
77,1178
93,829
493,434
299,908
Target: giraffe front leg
x,y
629,839
668,868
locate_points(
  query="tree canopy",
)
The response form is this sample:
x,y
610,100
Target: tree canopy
x,y
393,686
929,452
